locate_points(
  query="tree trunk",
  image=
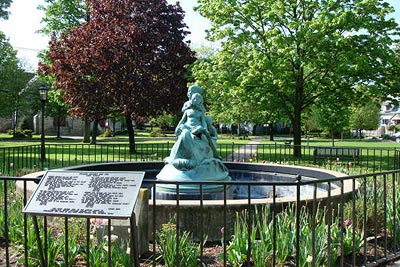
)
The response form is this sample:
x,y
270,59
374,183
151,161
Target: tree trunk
x,y
58,127
297,135
333,137
271,132
131,133
94,132
297,112
86,133
114,122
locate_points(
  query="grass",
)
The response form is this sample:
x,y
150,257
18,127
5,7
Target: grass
x,y
375,155
144,137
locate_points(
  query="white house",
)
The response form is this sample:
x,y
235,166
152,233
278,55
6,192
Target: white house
x,y
390,115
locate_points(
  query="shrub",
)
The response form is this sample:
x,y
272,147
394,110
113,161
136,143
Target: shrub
x,y
27,133
20,133
157,132
166,121
107,133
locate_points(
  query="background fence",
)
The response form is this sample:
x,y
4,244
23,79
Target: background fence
x,y
17,160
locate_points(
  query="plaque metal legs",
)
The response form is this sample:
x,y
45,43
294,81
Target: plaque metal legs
x,y
43,262
134,242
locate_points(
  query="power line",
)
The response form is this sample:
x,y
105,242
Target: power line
x,y
27,48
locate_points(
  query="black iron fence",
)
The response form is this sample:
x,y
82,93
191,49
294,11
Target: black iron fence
x,y
17,160
355,221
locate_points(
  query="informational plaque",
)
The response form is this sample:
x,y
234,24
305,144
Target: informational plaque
x,y
108,194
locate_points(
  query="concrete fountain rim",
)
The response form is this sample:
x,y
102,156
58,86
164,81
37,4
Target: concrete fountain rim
x,y
348,186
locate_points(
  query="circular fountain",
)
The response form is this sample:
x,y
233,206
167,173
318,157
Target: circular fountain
x,y
225,187
207,216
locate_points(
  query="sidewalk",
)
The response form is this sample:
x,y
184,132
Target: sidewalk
x,y
244,153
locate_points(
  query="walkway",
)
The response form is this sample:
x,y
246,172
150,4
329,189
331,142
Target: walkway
x,y
245,152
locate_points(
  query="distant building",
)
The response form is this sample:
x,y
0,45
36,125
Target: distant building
x,y
70,126
389,116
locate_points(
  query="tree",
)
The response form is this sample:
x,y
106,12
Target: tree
x,y
9,69
165,121
333,116
130,55
13,80
365,117
229,101
4,5
300,51
57,108
61,15
75,77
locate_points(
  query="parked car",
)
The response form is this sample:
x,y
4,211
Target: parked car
x,y
396,137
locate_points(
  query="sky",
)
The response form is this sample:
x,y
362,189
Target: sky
x,y
24,21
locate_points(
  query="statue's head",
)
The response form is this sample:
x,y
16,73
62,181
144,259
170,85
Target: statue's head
x,y
196,99
193,90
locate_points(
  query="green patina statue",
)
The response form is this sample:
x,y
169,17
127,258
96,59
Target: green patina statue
x,y
194,156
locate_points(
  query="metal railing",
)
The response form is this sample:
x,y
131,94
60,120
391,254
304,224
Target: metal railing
x,y
360,228
18,160
357,226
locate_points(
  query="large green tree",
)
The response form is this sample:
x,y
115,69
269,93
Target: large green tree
x,y
299,51
60,16
229,101
13,78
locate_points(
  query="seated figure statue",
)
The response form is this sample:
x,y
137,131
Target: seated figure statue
x,y
194,143
194,155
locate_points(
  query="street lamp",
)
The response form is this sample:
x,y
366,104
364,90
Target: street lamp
x,y
43,98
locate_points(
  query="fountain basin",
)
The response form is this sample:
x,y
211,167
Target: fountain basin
x,y
210,215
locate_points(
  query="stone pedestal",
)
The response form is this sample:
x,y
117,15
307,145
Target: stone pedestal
x,y
210,170
121,228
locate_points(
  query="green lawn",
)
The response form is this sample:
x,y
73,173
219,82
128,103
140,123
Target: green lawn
x,y
6,140
364,143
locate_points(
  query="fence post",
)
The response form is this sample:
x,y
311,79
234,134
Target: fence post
x,y
298,207
232,152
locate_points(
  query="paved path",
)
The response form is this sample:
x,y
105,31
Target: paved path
x,y
245,152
